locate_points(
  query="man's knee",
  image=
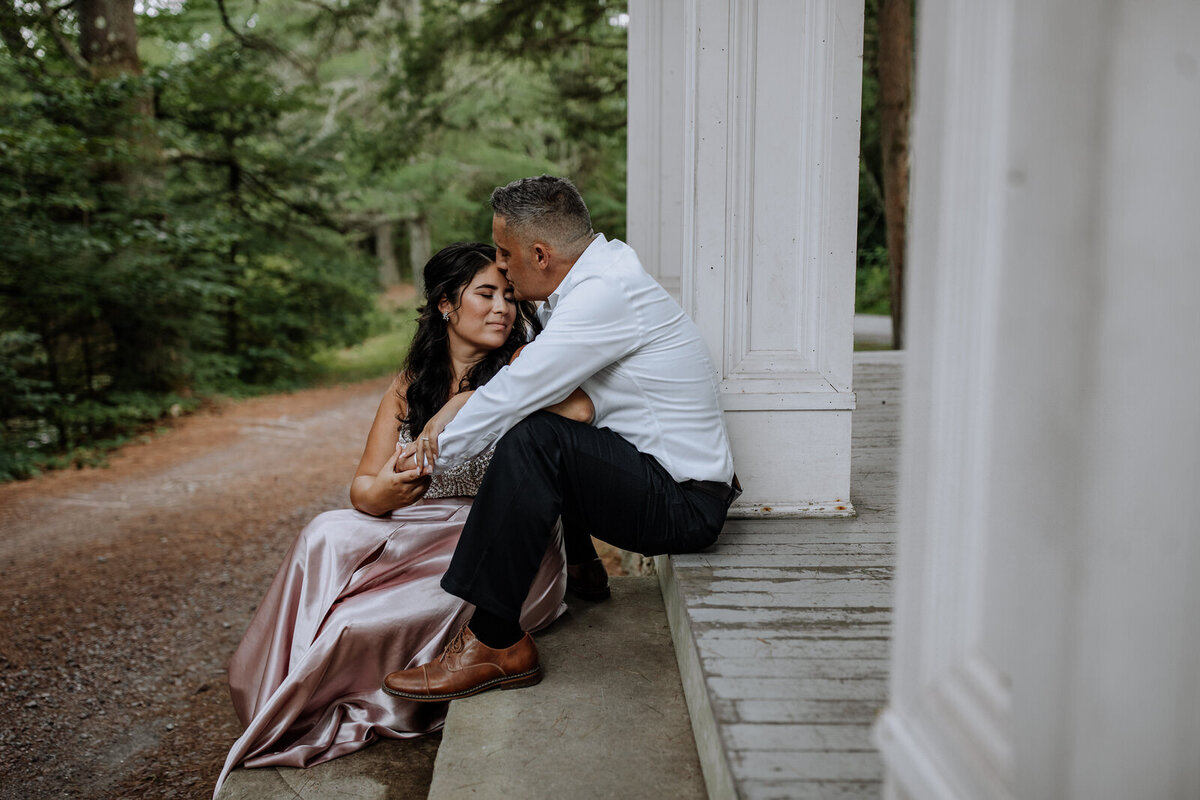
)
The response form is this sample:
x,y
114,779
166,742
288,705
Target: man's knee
x,y
538,428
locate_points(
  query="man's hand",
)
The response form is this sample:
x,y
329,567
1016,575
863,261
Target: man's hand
x,y
424,450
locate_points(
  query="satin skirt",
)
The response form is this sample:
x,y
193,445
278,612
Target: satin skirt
x,y
357,597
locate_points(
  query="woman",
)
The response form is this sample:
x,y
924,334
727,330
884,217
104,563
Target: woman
x,y
358,592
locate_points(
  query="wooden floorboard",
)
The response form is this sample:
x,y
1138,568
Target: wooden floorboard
x,y
790,623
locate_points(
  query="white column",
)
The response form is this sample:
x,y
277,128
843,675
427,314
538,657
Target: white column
x,y
1046,640
742,200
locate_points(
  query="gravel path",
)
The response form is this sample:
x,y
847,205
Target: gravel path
x,y
124,590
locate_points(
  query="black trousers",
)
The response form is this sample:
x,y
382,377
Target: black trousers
x,y
549,466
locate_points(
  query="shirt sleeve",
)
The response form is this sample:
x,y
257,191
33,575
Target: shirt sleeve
x,y
593,326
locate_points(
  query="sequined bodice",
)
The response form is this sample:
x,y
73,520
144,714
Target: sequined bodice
x,y
460,481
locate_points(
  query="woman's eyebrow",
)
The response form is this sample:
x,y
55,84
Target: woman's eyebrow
x,y
487,286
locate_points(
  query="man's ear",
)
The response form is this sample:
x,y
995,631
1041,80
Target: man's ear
x,y
542,255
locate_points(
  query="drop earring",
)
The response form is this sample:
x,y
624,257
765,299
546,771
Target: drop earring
x,y
445,316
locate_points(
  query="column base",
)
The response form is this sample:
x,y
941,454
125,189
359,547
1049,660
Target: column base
x,y
791,463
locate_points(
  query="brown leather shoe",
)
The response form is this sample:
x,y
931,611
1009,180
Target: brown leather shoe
x,y
467,666
589,580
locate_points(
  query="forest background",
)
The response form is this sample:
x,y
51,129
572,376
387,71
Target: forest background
x,y
205,197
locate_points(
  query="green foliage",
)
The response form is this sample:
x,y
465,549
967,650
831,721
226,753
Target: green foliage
x,y
873,288
40,428
581,53
206,226
282,301
873,295
148,256
22,400
380,353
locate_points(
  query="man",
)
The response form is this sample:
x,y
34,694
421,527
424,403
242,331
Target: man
x,y
652,474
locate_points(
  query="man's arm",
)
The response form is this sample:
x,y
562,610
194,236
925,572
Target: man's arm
x,y
424,449
592,327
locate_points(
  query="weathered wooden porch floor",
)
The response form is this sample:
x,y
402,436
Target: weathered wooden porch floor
x,y
782,630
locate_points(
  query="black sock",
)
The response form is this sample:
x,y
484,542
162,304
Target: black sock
x,y
495,632
580,549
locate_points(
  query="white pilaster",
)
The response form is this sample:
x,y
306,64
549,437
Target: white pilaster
x,y
1045,638
946,733
742,198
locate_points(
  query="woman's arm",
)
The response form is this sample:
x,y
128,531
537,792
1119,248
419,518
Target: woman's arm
x,y
382,482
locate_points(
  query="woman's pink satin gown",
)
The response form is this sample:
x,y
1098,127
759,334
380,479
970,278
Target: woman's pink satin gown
x,y
356,598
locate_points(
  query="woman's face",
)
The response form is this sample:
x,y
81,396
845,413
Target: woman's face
x,y
485,310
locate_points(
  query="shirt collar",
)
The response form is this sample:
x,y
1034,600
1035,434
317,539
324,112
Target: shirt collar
x,y
579,270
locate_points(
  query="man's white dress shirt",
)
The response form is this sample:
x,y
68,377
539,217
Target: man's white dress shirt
x,y
612,330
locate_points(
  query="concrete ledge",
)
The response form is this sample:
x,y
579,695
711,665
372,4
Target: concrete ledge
x,y
392,768
609,719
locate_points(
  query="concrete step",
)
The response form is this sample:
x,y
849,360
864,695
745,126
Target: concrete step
x,y
392,769
608,720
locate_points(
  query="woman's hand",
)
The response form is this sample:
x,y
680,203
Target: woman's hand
x,y
400,484
425,449
397,484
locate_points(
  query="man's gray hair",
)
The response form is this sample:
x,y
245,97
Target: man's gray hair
x,y
546,208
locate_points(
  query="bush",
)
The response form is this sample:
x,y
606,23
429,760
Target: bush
x,y
25,403
873,286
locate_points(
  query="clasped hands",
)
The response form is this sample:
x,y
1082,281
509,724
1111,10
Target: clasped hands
x,y
422,453
399,483
404,478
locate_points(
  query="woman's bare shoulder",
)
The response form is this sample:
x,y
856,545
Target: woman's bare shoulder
x,y
397,393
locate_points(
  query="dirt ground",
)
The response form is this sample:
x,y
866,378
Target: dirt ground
x,y
123,591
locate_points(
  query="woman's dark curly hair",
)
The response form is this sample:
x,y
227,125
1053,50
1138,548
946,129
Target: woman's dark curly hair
x,y
427,367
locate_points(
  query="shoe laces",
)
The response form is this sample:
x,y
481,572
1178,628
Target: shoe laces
x,y
456,644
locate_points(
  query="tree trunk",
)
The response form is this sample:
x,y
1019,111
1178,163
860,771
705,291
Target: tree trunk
x,y
108,37
233,186
385,251
108,41
895,106
419,250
